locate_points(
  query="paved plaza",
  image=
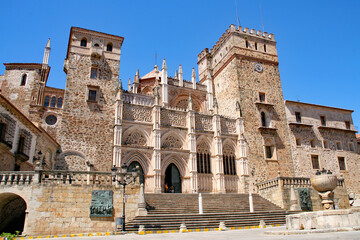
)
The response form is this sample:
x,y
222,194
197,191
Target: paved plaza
x,y
232,234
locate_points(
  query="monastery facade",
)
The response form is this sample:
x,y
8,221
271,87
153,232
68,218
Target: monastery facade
x,y
226,133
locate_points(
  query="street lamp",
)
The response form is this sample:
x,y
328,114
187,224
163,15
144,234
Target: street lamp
x,y
123,177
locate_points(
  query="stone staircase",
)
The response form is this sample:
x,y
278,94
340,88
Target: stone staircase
x,y
168,211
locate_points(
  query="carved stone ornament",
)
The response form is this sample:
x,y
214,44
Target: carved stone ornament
x,y
135,138
305,199
137,113
172,142
101,203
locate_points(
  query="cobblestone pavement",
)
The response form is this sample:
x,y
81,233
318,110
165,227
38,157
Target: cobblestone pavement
x,y
233,234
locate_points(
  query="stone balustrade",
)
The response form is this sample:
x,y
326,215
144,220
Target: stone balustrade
x,y
16,178
138,99
288,182
55,177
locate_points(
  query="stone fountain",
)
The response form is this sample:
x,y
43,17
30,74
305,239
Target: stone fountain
x,y
325,182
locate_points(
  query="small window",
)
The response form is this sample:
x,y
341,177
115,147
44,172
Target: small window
x,y
21,145
326,144
60,102
347,124
83,42
298,142
312,143
93,73
315,161
338,146
96,45
351,147
53,102
46,101
341,161
23,80
298,117
2,132
262,97
264,47
323,121
92,95
247,44
263,119
109,47
255,46
268,152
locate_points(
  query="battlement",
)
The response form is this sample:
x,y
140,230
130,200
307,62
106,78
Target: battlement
x,y
244,32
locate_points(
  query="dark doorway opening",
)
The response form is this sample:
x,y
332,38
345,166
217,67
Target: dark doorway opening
x,y
12,213
172,179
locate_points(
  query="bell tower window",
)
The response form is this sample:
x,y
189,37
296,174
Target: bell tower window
x,y
83,42
109,47
46,101
23,80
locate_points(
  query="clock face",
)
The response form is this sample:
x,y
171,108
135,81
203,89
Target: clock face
x,y
258,67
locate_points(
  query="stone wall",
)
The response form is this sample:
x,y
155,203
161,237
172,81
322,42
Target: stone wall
x,y
309,138
87,126
56,209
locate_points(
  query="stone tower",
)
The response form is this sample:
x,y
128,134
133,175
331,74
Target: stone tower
x,y
24,84
243,70
92,67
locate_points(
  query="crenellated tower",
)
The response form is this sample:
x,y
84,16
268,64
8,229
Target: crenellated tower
x,y
242,73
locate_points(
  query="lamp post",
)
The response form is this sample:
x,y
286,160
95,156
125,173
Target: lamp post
x,y
123,177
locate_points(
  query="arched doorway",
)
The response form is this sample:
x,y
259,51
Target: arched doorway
x,y
12,213
172,179
134,165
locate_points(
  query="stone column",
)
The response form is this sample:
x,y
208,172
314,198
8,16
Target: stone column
x,y
192,146
219,169
241,158
156,159
118,128
209,94
164,82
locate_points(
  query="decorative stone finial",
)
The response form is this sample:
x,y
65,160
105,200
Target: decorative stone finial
x,y
164,64
216,107
129,85
47,53
181,80
137,76
193,78
190,102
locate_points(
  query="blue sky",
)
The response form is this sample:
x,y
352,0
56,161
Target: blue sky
x,y
318,41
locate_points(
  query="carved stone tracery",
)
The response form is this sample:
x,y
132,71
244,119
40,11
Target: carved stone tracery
x,y
135,138
137,113
172,142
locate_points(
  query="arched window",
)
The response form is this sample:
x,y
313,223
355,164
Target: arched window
x,y
203,159
109,47
46,101
263,119
53,102
83,42
229,161
60,102
23,80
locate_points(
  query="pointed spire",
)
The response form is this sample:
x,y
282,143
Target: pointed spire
x,y
164,64
137,76
193,78
164,75
47,53
176,76
181,80
129,85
